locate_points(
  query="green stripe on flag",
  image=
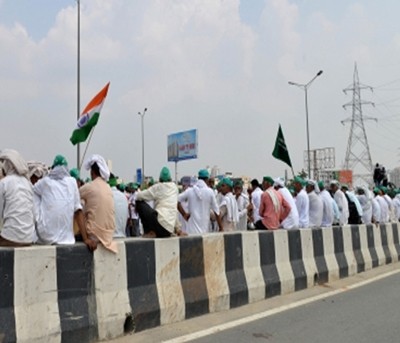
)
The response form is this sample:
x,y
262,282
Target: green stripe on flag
x,y
81,134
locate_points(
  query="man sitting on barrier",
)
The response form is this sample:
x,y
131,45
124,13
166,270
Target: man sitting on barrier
x,y
163,219
57,202
16,201
98,205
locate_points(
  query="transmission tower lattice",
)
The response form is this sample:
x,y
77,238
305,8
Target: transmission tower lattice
x,y
358,156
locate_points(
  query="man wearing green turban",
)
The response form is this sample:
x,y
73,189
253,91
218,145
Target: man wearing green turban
x,y
162,220
58,204
302,201
228,208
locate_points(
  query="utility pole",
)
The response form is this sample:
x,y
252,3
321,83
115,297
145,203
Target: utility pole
x,y
358,156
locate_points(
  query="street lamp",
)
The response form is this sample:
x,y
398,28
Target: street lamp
x,y
305,88
141,114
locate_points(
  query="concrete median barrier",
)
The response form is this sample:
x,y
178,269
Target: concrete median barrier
x,y
68,294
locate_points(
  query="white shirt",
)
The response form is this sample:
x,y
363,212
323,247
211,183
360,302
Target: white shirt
x,y
327,208
57,202
376,210
396,205
165,196
366,205
343,206
315,209
303,207
256,201
229,212
292,220
384,218
121,212
242,203
200,201
16,209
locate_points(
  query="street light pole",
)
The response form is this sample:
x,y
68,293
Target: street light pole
x,y
305,88
141,114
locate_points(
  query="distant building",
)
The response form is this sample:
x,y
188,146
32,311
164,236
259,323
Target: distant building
x,y
394,176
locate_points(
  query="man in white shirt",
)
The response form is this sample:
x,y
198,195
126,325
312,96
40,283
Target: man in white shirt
x,y
383,206
327,205
132,227
396,205
315,204
256,200
16,201
302,202
292,220
242,202
341,202
57,202
163,219
120,208
364,197
228,207
201,201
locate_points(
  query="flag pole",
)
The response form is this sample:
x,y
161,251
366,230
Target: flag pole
x,y
78,150
84,153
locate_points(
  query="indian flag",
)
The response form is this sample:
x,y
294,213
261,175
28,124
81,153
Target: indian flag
x,y
89,117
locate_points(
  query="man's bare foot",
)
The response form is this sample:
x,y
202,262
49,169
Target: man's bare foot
x,y
150,234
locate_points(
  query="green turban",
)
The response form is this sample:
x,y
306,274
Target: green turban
x,y
59,160
204,174
121,187
321,184
384,189
112,181
238,183
299,180
376,190
226,181
268,179
344,185
74,172
165,175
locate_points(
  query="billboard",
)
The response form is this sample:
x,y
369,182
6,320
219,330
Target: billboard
x,y
182,146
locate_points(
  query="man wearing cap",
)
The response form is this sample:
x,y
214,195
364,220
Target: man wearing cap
x,y
315,204
396,205
302,202
292,220
242,202
98,204
355,209
383,206
328,206
364,197
341,202
163,219
256,193
76,174
201,201
273,208
132,227
229,212
120,208
57,203
16,201
389,202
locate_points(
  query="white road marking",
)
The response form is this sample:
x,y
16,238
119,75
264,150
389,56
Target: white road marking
x,y
245,320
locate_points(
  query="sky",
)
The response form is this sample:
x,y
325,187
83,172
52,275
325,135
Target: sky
x,y
219,66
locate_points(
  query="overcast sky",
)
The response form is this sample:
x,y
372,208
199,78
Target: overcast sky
x,y
219,66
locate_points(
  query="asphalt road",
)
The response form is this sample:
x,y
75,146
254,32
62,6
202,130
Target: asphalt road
x,y
364,308
367,314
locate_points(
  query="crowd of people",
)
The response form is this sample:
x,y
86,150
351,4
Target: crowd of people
x,y
53,205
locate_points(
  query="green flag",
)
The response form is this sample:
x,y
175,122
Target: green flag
x,y
280,151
